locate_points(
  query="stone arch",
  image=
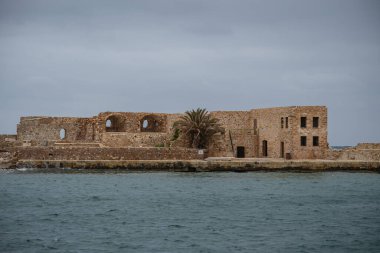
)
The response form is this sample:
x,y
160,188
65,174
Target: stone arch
x,y
115,123
151,123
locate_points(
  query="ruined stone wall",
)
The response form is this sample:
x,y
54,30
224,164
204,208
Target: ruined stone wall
x,y
144,139
133,122
76,153
136,129
45,131
361,152
7,141
278,127
368,146
127,129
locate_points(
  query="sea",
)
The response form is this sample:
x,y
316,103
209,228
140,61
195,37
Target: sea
x,y
116,211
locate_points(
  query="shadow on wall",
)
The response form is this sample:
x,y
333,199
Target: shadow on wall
x,y
115,123
150,123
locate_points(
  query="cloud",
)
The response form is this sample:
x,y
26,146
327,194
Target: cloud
x,y
81,57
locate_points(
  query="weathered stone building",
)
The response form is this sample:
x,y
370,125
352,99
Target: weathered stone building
x,y
297,132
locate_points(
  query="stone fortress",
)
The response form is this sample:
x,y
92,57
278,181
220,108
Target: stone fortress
x,y
288,133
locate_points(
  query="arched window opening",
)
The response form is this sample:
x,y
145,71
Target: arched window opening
x,y
62,134
145,123
115,123
152,123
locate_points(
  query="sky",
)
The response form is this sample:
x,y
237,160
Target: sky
x,y
82,57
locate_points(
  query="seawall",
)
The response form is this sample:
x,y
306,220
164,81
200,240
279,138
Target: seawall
x,y
236,165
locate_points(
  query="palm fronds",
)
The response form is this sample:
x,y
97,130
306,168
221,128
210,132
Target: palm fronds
x,y
198,126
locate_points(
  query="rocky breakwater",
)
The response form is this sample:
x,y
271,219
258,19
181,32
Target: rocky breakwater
x,y
213,165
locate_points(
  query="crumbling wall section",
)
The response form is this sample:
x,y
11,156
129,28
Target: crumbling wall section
x,y
361,152
7,141
46,131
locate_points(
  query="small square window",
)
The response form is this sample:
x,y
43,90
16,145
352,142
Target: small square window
x,y
315,122
303,141
303,122
315,141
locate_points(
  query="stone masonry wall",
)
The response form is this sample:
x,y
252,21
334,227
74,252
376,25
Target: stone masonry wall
x,y
235,123
76,153
7,141
278,127
45,131
309,151
144,139
269,129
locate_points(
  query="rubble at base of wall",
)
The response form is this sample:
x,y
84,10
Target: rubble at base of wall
x,y
361,152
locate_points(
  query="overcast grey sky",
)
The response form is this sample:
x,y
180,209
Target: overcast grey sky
x,y
82,57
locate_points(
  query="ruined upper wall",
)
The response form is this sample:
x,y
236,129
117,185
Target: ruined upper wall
x,y
108,128
43,131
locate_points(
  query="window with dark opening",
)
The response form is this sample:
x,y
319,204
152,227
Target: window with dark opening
x,y
282,122
303,122
282,149
303,141
115,123
240,153
151,123
315,122
315,141
286,122
265,148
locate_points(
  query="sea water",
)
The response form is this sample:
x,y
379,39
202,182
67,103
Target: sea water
x,y
189,212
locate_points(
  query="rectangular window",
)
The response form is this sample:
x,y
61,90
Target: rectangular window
x,y
315,141
303,122
303,141
282,122
315,122
286,122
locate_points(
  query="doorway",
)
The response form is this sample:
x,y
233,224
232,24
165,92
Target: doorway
x,y
265,148
240,152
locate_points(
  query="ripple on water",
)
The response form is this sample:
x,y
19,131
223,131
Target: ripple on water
x,y
192,212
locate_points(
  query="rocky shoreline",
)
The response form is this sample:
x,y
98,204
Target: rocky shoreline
x,y
211,165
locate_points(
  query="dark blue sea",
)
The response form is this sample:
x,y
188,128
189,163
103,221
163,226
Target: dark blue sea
x,y
189,212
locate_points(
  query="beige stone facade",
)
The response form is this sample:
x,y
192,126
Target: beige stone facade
x,y
296,132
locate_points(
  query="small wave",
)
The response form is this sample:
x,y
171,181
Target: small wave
x,y
25,169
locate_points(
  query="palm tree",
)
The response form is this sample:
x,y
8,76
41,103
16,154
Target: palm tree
x,y
198,126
